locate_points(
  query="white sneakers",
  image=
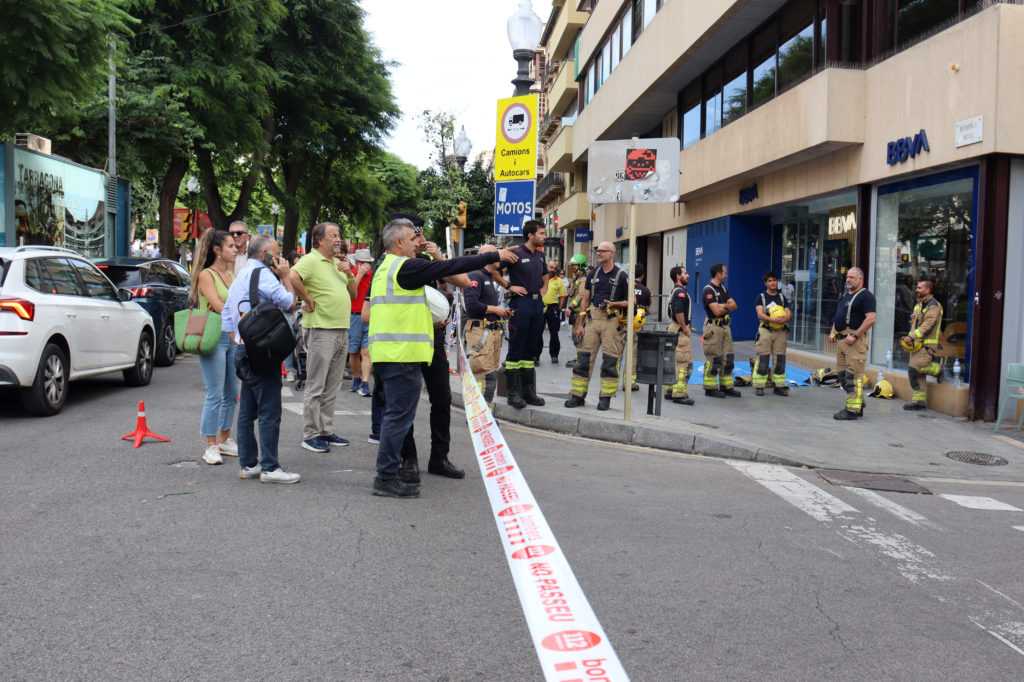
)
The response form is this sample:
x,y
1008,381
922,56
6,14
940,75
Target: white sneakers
x,y
229,447
279,475
249,472
212,454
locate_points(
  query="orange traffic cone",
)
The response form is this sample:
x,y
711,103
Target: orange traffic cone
x,y
141,430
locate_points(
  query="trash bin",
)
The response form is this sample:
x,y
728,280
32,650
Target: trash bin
x,y
655,365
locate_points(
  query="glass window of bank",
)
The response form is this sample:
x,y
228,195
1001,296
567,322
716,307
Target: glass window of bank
x,y
819,239
925,228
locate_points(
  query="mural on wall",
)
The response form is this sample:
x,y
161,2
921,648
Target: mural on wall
x,y
58,204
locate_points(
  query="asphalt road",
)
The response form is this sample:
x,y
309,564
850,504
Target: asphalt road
x,y
147,564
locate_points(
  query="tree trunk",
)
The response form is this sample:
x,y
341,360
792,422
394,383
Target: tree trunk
x,y
168,197
211,192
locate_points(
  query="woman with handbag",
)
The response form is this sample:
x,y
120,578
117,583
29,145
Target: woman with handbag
x,y
216,253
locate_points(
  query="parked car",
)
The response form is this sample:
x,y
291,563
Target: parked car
x,y
160,286
61,319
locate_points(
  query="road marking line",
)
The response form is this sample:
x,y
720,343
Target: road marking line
x,y
913,561
1000,638
1007,439
987,586
965,481
808,498
897,510
978,502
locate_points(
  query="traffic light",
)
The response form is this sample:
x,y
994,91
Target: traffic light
x,y
459,223
188,225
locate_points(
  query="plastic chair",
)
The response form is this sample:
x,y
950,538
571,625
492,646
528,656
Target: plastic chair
x,y
1014,381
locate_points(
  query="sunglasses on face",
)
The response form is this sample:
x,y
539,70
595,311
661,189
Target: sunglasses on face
x,y
237,234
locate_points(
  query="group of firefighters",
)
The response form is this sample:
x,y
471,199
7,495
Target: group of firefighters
x,y
596,301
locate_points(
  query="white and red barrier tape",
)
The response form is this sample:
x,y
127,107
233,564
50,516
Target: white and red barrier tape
x,y
570,642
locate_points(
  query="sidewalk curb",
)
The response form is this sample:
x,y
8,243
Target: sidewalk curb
x,y
629,433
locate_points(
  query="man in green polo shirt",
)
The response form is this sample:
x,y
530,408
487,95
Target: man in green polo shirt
x,y
322,280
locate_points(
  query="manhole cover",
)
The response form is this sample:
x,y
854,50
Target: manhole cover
x,y
981,458
858,479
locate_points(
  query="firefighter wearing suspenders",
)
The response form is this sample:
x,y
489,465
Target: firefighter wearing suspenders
x,y
855,315
605,299
921,342
773,312
679,307
719,356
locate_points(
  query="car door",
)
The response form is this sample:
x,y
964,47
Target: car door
x,y
117,338
165,289
79,318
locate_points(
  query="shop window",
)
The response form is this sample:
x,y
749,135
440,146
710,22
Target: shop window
x,y
690,106
712,101
924,231
762,50
734,92
627,30
796,43
616,45
916,18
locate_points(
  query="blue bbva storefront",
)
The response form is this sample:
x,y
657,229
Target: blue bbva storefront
x,y
52,201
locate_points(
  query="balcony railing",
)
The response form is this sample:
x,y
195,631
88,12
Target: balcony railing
x,y
550,188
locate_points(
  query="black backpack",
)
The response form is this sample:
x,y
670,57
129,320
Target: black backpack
x,y
265,331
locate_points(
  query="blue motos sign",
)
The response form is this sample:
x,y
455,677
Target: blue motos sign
x,y
513,206
905,148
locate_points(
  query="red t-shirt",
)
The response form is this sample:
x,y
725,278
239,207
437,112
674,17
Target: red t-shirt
x,y
361,291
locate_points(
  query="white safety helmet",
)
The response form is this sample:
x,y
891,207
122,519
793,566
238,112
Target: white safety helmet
x,y
438,302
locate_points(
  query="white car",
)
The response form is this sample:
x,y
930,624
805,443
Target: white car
x,y
60,320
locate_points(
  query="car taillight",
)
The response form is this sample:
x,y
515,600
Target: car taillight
x,y
140,292
26,310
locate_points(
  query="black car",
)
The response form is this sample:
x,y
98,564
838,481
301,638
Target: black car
x,y
158,285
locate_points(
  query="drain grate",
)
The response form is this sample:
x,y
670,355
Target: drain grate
x,y
980,458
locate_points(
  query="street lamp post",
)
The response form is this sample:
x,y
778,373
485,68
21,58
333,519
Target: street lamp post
x,y
524,29
276,211
193,187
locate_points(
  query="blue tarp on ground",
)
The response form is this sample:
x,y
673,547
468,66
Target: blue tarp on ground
x,y
794,375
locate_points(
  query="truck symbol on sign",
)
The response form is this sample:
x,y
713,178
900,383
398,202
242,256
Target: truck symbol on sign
x,y
516,119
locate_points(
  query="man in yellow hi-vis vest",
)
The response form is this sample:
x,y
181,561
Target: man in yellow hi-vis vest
x,y
925,323
401,336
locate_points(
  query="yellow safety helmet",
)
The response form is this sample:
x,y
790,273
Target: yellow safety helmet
x,y
883,389
913,346
639,319
775,310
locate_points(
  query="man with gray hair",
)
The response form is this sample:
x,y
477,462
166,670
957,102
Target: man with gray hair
x,y
402,338
260,395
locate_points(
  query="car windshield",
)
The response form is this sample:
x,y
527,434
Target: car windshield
x,y
122,276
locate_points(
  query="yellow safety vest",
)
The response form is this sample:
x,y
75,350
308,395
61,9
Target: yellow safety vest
x,y
401,328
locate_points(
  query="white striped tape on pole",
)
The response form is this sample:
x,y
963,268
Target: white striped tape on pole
x,y
570,642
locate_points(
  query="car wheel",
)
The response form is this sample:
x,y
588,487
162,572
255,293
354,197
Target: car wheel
x,y
142,372
167,349
49,389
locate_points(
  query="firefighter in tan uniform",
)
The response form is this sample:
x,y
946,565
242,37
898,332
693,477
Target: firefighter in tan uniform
x,y
922,341
483,326
855,315
774,311
605,299
679,305
719,356
576,282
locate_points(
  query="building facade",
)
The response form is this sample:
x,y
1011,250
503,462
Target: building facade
x,y
816,135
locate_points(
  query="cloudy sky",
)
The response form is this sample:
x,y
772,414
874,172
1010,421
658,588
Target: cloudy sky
x,y
453,56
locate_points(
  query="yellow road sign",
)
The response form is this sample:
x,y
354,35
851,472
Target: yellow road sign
x,y
515,152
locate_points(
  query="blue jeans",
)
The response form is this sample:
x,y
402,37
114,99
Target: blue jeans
x,y
401,382
221,387
259,400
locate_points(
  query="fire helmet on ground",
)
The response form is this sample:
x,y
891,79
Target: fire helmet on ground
x,y
883,389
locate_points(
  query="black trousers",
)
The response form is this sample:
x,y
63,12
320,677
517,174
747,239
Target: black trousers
x,y
553,321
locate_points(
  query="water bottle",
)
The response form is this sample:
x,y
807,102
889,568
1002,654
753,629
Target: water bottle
x,y
956,373
888,359
880,379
